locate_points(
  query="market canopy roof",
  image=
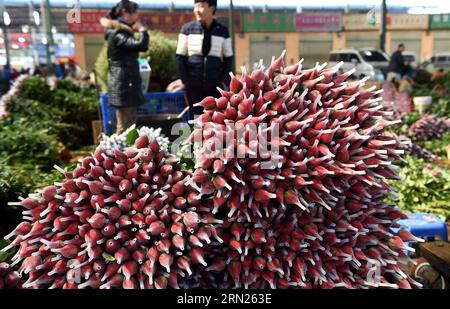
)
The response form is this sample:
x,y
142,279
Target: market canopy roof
x,y
274,4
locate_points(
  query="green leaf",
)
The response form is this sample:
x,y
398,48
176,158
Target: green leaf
x,y
132,136
108,257
3,256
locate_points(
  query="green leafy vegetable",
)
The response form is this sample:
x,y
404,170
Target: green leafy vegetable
x,y
425,188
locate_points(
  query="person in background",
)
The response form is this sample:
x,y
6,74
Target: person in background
x,y
437,75
124,84
41,71
60,70
406,84
397,67
204,55
3,82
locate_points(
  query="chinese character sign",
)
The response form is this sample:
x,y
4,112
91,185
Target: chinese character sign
x,y
166,22
269,22
318,22
440,21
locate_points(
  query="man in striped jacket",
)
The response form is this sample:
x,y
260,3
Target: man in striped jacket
x,y
204,54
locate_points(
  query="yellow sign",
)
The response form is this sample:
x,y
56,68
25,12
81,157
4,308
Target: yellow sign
x,y
371,21
407,21
360,21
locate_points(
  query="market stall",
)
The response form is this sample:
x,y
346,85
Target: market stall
x,y
308,201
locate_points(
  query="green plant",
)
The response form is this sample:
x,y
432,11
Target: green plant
x,y
161,56
407,121
421,91
31,137
425,188
6,256
23,144
437,146
36,89
441,108
20,180
422,77
424,91
67,85
102,68
78,109
411,118
67,112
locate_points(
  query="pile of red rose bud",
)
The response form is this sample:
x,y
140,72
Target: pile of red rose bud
x,y
295,199
415,150
130,220
308,211
430,127
9,279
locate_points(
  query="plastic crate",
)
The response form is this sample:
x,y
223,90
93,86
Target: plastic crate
x,y
155,103
425,225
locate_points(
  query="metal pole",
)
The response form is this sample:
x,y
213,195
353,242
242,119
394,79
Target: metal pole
x,y
231,29
33,46
383,25
6,42
5,34
49,47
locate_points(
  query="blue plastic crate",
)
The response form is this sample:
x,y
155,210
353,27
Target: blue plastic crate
x,y
155,103
425,225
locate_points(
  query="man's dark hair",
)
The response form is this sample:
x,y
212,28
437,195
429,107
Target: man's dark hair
x,y
127,5
400,45
210,3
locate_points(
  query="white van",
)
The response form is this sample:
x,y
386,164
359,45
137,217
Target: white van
x,y
367,62
411,59
438,61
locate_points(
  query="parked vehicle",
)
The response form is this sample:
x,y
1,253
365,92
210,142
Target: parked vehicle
x,y
437,61
411,59
377,58
367,62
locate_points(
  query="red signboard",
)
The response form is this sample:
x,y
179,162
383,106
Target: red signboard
x,y
16,40
166,22
89,22
318,22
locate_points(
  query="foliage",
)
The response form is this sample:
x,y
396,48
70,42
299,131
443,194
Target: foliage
x,y
162,56
444,81
411,118
26,144
19,180
441,108
422,77
424,91
39,121
407,120
102,68
66,112
425,188
78,109
437,146
36,89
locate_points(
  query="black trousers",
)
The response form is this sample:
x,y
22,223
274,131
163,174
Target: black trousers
x,y
196,95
